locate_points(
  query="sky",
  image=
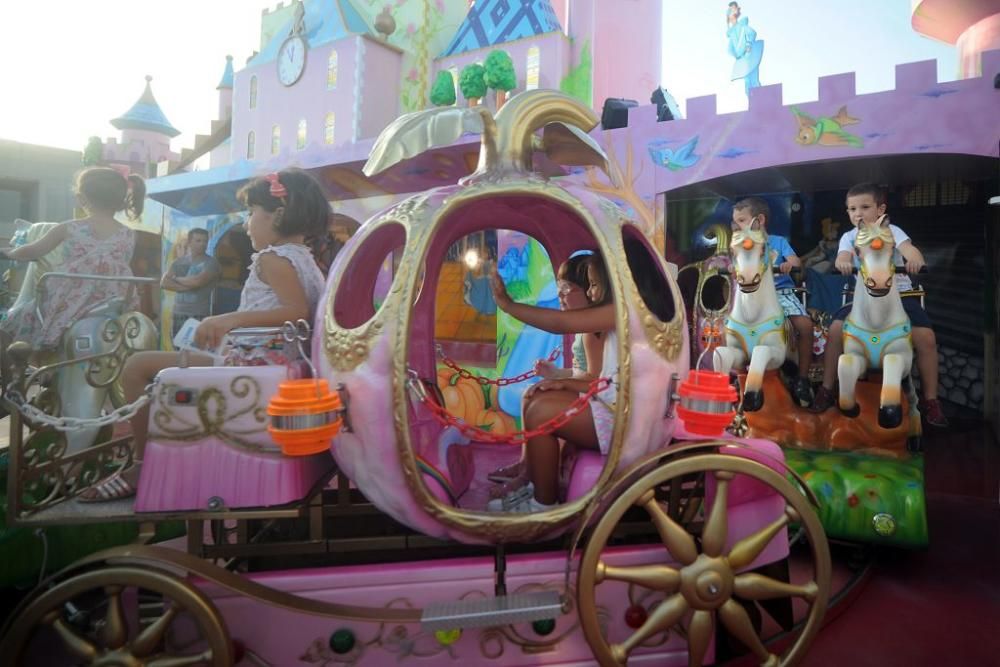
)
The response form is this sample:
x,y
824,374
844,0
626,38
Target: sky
x,y
72,65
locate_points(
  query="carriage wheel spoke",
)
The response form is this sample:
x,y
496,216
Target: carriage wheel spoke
x,y
152,636
77,645
114,632
746,550
666,615
203,658
699,637
677,541
654,577
713,537
759,587
737,621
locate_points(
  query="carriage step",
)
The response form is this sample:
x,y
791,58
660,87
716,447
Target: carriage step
x,y
490,612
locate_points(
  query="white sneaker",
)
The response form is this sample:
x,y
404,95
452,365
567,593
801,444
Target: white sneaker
x,y
519,501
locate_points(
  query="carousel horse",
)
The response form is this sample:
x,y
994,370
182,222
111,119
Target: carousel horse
x,y
102,338
755,328
877,330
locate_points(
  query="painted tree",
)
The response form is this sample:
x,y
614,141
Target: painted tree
x,y
472,81
94,152
500,75
443,90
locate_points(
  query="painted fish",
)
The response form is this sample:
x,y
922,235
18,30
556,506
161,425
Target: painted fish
x,y
826,131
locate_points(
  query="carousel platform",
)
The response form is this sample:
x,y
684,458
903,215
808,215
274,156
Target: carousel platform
x,y
936,606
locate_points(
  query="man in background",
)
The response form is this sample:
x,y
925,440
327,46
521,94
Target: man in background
x,y
193,277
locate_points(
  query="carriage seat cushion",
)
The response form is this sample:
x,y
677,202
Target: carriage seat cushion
x,y
229,400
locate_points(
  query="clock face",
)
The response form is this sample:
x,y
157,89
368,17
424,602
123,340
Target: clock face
x,y
291,60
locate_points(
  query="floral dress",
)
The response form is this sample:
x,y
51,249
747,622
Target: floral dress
x,y
258,295
67,300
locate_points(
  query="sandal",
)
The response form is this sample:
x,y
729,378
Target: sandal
x,y
115,487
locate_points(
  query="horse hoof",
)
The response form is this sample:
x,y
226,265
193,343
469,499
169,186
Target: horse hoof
x,y
913,444
753,401
890,416
853,412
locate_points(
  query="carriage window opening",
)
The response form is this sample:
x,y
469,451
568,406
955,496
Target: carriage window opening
x,y
275,139
369,276
648,275
251,144
715,293
253,92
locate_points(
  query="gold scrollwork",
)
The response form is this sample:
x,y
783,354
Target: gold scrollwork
x,y
214,417
47,476
347,349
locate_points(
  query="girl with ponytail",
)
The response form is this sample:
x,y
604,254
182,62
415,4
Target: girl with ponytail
x,y
95,245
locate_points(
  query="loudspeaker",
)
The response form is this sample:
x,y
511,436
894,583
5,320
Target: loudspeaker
x,y
666,105
615,113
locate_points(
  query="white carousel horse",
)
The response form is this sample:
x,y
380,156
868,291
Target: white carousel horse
x,y
877,330
83,389
755,328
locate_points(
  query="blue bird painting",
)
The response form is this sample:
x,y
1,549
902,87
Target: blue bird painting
x,y
674,159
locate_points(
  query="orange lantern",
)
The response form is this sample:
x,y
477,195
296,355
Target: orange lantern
x,y
305,416
707,400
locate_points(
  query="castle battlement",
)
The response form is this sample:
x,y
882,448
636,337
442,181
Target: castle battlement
x,y
918,78
919,115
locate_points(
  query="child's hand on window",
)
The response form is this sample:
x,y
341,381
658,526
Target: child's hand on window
x,y
499,290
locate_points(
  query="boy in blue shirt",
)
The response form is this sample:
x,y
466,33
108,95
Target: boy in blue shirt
x,y
784,259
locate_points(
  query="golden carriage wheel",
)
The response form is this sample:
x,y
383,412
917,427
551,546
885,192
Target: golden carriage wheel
x,y
111,633
704,583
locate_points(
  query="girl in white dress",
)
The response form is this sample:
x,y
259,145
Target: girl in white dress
x,y
286,209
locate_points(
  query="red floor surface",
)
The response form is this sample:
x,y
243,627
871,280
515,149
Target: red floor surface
x,y
940,606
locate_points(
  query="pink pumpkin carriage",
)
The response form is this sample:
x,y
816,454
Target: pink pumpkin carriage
x,y
711,514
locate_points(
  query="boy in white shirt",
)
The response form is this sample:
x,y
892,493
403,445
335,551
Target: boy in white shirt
x,y
866,202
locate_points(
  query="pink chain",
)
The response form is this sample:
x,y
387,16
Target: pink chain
x,y
520,437
500,382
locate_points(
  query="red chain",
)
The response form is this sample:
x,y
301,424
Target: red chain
x,y
500,382
520,437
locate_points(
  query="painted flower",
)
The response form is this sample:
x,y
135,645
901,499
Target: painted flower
x,y
852,500
412,76
410,29
439,4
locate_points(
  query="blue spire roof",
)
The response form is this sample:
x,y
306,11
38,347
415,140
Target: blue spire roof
x,y
227,76
494,22
146,115
326,21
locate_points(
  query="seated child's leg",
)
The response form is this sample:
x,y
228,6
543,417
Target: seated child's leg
x,y
804,330
542,452
834,348
925,347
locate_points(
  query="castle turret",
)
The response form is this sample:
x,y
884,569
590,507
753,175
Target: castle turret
x,y
225,89
146,135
